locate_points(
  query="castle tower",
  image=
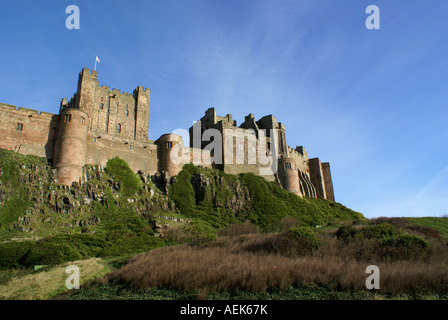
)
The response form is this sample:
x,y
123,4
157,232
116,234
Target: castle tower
x,y
328,182
71,145
288,175
166,144
141,96
317,177
85,95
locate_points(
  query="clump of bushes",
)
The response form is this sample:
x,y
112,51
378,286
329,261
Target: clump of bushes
x,y
306,236
64,248
13,254
128,180
386,240
379,231
346,233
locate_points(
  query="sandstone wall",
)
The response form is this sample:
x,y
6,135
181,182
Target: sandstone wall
x,y
139,155
27,131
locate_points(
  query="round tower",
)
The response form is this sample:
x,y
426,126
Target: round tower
x,y
169,154
289,175
71,145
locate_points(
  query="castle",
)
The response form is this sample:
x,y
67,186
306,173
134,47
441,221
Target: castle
x,y
98,123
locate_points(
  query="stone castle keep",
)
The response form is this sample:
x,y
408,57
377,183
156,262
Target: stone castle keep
x,y
98,123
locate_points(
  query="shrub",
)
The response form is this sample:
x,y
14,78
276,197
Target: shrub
x,y
120,171
48,252
405,241
306,236
346,233
380,231
182,192
13,254
129,243
405,247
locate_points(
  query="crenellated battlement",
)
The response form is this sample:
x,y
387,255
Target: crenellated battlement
x,y
24,111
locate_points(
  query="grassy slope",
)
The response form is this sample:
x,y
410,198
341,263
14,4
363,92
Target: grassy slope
x,y
265,203
439,224
50,282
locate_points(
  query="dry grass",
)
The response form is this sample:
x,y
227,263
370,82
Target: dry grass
x,y
232,263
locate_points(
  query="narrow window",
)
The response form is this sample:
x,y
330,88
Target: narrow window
x,y
67,118
83,120
101,104
169,145
118,128
127,111
19,127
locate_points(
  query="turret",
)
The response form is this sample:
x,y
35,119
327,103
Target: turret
x,y
289,175
71,145
167,144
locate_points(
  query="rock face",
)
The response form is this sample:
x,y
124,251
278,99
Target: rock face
x,y
221,192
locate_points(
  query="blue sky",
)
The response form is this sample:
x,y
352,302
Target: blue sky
x,y
371,102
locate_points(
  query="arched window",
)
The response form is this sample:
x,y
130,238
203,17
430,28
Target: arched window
x,y
118,128
127,111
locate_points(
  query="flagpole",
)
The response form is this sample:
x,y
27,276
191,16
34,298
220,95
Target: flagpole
x,y
95,64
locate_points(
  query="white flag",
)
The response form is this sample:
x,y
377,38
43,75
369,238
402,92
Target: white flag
x,y
97,59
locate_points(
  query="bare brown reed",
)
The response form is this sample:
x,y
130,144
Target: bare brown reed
x,y
233,263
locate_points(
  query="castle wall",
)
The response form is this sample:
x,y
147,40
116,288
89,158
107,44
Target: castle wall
x,y
139,156
27,131
300,160
198,157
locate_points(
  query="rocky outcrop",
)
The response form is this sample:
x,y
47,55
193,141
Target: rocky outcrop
x,y
222,192
55,206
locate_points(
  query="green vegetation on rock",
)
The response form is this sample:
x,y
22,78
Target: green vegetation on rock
x,y
221,199
119,170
